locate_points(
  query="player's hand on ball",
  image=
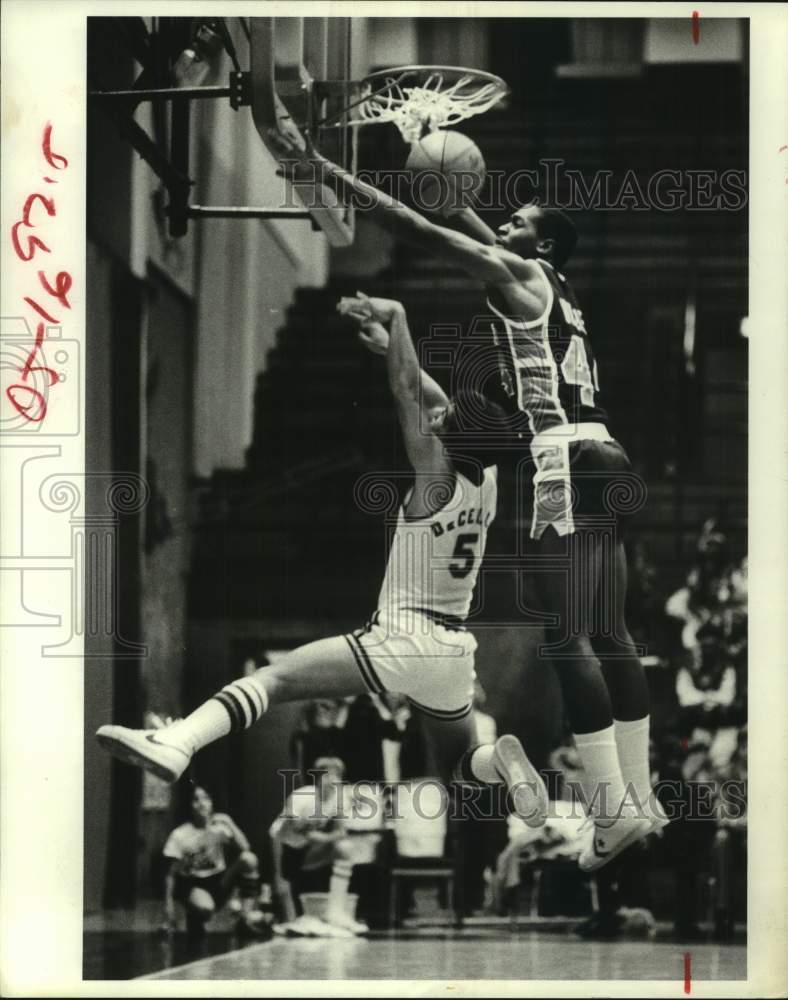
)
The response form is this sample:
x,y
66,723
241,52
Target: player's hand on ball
x,y
374,336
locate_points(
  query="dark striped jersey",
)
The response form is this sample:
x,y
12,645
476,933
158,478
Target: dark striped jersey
x,y
547,365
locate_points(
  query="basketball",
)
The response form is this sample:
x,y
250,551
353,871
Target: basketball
x,y
447,171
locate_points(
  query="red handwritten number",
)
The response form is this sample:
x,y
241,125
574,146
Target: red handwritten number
x,y
49,156
61,289
695,27
26,400
32,241
28,410
48,203
30,367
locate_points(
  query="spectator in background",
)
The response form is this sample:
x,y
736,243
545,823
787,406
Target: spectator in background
x,y
713,585
706,689
312,851
208,858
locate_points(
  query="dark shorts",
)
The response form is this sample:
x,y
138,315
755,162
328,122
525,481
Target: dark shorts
x,y
218,886
581,484
309,880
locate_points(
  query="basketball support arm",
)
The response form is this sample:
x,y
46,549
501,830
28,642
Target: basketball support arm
x,y
168,157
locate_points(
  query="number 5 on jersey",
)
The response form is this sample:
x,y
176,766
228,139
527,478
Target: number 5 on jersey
x,y
464,549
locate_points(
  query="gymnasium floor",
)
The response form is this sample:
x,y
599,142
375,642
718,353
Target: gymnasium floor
x,y
127,947
458,955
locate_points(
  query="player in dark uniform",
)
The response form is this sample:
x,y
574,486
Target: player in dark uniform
x,y
574,470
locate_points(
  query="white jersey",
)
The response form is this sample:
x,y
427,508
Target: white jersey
x,y
434,561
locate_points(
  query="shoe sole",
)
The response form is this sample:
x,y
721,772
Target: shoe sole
x,y
115,744
528,791
641,831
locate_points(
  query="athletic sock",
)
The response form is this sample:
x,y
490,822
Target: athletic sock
x,y
237,706
632,742
338,889
603,783
476,764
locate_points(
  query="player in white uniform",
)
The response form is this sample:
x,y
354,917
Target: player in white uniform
x,y
416,644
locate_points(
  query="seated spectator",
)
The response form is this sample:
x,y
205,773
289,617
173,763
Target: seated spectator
x,y
312,850
706,689
564,835
209,857
708,589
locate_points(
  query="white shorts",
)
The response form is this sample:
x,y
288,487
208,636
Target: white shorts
x,y
409,653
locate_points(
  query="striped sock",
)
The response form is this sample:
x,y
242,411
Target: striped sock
x,y
237,706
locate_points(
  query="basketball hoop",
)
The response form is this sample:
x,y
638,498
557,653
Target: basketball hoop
x,y
419,99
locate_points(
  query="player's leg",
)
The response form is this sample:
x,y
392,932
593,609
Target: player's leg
x,y
625,677
343,859
322,669
200,908
460,757
567,584
244,873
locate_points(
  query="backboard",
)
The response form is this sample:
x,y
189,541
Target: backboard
x,y
293,61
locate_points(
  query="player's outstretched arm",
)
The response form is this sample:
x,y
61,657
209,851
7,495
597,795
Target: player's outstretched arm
x,y
487,263
424,448
467,220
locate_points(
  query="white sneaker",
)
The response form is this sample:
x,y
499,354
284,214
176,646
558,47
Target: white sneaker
x,y
528,791
142,748
610,841
659,818
346,923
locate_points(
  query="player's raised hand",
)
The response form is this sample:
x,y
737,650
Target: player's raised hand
x,y
361,306
374,336
356,306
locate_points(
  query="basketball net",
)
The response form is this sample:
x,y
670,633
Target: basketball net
x,y
431,104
